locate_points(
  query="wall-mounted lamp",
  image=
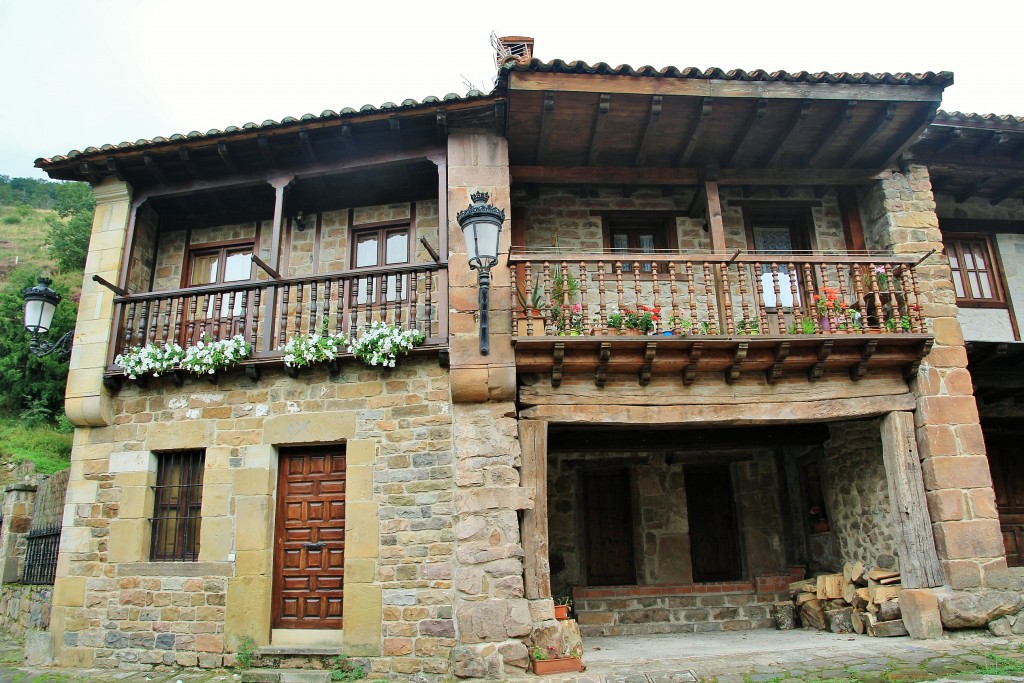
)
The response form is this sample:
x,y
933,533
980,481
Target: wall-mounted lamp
x,y
299,221
481,226
40,305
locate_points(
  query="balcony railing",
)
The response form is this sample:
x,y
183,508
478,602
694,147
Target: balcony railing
x,y
716,294
268,313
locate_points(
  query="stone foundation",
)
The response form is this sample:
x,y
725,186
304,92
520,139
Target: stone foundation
x,y
25,608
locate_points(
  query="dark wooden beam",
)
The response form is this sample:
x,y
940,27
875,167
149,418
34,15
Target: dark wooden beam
x,y
604,105
909,134
188,163
971,190
616,175
867,136
989,141
225,156
757,117
793,131
114,168
1006,191
693,135
266,152
348,138
699,203
500,118
839,122
546,114
442,125
307,146
395,131
650,125
154,168
681,439
951,138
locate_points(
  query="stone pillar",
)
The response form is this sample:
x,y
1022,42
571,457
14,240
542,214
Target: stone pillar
x,y
87,402
899,215
17,515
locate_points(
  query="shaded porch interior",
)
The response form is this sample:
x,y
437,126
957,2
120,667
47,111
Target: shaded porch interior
x,y
698,530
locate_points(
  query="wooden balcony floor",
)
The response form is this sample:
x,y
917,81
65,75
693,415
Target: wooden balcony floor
x,y
685,356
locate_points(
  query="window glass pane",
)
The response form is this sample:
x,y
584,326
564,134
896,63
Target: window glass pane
x,y
954,261
968,259
646,244
972,284
773,239
986,289
620,241
238,266
366,250
958,284
979,256
204,269
397,247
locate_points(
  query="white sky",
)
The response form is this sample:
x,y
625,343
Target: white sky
x,y
87,72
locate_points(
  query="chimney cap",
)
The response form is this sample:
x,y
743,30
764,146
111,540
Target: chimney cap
x,y
512,48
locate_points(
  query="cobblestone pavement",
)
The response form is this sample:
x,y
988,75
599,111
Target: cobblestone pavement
x,y
754,657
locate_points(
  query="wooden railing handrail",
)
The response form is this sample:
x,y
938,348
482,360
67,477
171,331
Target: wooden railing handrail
x,y
710,257
303,279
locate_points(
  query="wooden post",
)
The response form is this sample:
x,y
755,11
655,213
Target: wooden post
x,y
533,438
919,563
270,300
715,224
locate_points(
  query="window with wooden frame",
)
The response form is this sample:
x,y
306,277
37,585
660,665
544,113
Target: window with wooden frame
x,y
779,230
378,247
977,278
176,510
637,234
219,264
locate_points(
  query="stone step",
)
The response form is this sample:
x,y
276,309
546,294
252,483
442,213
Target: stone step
x,y
291,657
285,676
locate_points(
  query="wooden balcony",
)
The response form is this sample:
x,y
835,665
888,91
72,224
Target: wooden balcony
x,y
269,312
776,314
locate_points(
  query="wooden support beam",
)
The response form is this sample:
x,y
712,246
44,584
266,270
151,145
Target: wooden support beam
x,y
919,563
619,175
266,268
839,122
875,127
86,170
739,355
556,364
715,223
858,371
815,371
109,285
1006,191
693,135
952,137
442,124
757,117
114,168
430,249
909,134
263,142
546,114
989,141
186,160
699,203
690,371
774,373
533,439
395,131
650,125
849,213
604,104
348,138
225,156
650,351
154,168
793,132
307,146
972,189
603,356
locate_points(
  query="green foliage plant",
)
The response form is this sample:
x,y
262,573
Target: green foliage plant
x,y
47,448
246,651
343,669
70,230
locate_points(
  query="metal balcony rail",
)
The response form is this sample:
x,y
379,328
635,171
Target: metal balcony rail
x,y
716,294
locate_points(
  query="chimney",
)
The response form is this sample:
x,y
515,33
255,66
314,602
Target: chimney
x,y
512,48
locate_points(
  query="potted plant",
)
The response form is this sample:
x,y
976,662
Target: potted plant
x,y
677,325
748,326
644,320
563,604
616,322
547,660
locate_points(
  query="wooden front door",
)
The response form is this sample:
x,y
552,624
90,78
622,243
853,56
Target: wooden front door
x,y
309,545
714,536
609,528
1007,467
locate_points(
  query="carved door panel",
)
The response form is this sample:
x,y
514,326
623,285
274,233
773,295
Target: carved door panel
x,y
1007,467
609,528
309,545
714,536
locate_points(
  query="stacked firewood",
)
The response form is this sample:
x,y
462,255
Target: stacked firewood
x,y
860,600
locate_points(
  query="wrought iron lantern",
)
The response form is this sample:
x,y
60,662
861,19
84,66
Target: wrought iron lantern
x,y
481,226
40,304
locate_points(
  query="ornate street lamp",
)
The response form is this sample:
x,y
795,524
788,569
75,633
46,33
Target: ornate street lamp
x,y
40,305
481,226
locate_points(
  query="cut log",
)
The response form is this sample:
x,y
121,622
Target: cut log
x,y
850,593
877,574
889,610
804,597
784,614
803,586
858,619
857,574
812,613
889,581
830,586
887,629
862,598
880,593
840,620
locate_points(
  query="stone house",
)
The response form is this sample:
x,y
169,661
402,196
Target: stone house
x,y
811,407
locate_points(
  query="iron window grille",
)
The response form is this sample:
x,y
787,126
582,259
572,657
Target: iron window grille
x,y
41,555
176,511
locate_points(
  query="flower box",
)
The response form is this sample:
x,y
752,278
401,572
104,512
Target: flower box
x,y
561,612
557,665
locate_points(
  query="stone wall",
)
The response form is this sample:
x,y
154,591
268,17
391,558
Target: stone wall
x,y
857,495
24,608
661,522
117,609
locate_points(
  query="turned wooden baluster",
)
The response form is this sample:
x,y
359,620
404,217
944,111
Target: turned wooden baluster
x,y
314,321
129,326
548,294
166,327
238,328
741,272
858,292
428,304
780,314
179,316
710,294
154,321
809,286
399,297
729,323
762,313
844,292
794,277
257,294
637,291
299,300
282,335
876,295
915,310
673,295
602,310
655,289
527,279
691,297
193,305
414,285
352,288
325,319
563,271
619,291
584,282
831,315
141,334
